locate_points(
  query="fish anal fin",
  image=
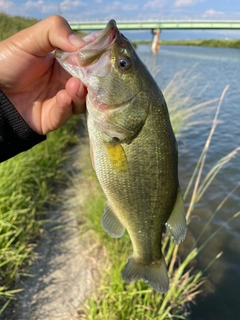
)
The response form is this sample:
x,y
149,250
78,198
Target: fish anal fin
x,y
111,224
154,274
176,224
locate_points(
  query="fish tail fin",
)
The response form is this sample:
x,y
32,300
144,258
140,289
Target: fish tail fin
x,y
155,274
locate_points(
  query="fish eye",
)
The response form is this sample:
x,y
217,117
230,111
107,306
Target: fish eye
x,y
124,63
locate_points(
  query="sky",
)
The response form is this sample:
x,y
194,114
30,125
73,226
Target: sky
x,y
75,10
124,9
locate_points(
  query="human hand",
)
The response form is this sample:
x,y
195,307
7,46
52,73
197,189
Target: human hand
x,y
40,89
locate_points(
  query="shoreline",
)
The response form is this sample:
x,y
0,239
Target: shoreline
x,y
217,43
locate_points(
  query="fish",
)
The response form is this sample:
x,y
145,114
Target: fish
x,y
133,149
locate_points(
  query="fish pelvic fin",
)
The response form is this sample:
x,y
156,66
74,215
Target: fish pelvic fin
x,y
154,274
111,224
176,224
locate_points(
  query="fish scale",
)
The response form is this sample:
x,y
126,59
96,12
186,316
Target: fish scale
x,y
144,190
133,150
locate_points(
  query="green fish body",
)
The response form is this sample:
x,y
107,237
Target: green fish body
x,y
133,149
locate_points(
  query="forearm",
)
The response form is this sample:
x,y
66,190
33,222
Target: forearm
x,y
15,135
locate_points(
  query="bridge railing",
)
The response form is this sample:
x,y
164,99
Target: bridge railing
x,y
158,24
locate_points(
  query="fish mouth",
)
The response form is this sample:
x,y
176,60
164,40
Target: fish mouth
x,y
96,44
102,38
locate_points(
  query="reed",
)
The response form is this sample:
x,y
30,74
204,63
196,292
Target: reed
x,y
182,107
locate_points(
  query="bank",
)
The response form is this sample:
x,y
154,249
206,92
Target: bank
x,y
217,43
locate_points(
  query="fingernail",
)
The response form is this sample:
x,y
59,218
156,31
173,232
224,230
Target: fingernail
x,y
76,41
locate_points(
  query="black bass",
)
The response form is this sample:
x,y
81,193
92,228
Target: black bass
x,y
133,150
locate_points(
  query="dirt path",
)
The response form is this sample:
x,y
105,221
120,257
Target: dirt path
x,y
66,270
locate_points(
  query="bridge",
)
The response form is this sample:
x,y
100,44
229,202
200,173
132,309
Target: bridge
x,y
159,24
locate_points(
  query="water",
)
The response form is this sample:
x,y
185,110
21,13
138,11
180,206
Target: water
x,y
217,68
182,34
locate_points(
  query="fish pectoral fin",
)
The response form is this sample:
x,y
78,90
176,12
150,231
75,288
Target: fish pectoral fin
x,y
155,274
111,224
176,224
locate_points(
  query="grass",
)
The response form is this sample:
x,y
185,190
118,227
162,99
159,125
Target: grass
x,y
10,25
217,43
118,300
182,107
181,94
25,188
115,299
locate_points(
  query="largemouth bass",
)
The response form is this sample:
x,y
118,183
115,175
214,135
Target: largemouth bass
x,y
133,150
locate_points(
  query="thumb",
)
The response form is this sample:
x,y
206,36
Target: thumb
x,y
47,35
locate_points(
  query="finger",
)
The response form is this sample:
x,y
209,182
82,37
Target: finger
x,y
77,92
59,113
62,107
47,35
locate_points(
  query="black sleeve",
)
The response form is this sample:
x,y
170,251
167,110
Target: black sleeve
x,y
15,135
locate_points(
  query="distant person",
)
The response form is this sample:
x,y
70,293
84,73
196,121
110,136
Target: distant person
x,y
36,94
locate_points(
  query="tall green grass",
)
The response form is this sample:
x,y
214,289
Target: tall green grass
x,y
183,109
10,25
115,299
218,43
25,188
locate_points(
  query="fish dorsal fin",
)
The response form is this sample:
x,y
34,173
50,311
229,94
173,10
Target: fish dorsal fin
x,y
111,224
176,224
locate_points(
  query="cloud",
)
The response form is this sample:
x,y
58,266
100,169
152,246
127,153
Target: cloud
x,y
69,5
4,5
40,6
118,9
155,4
33,4
117,6
187,3
183,3
130,7
212,14
50,7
